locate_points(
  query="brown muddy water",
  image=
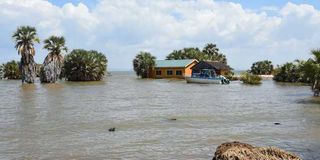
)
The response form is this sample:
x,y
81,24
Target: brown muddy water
x,y
70,120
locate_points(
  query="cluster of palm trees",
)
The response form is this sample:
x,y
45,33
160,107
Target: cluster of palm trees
x,y
209,53
80,65
301,71
25,38
145,61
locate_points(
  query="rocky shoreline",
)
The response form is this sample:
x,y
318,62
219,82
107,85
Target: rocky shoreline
x,y
243,151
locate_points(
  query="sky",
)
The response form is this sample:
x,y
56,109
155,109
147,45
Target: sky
x,y
246,31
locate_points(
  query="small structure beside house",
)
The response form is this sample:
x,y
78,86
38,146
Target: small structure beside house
x,y
219,67
173,68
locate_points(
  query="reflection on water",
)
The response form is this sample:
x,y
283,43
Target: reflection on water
x,y
70,120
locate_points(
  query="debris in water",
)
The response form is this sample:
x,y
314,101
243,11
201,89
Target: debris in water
x,y
112,129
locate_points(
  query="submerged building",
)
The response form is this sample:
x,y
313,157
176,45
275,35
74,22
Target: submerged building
x,y
173,68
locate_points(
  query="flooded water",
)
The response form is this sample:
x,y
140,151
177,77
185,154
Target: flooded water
x,y
70,120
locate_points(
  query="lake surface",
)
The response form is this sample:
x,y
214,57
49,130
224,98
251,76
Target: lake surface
x,y
70,120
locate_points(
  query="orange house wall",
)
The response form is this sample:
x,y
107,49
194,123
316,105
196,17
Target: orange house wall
x,y
186,72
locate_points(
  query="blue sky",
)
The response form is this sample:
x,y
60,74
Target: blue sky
x,y
245,31
252,4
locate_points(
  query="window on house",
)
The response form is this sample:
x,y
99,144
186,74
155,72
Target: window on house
x,y
179,73
169,72
158,73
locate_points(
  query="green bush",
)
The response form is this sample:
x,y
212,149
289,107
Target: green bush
x,y
82,65
143,64
262,68
11,70
249,78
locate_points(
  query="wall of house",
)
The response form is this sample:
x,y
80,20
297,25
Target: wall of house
x,y
224,72
165,75
186,72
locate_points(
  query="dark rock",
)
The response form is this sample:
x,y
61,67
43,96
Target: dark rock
x,y
173,119
277,123
112,129
243,151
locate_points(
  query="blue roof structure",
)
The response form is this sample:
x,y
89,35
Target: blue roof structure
x,y
173,63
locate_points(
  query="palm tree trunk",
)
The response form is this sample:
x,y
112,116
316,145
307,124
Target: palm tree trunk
x,y
51,72
28,69
316,88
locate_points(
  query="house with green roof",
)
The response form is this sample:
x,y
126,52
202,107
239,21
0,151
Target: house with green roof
x,y
173,68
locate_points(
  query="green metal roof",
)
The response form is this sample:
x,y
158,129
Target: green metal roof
x,y
173,63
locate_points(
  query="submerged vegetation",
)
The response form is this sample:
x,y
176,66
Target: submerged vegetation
x,y
143,64
52,65
79,65
249,78
83,65
24,38
10,70
301,71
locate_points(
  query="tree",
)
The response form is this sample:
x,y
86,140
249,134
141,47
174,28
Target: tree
x,y
82,65
24,39
53,62
211,53
11,70
316,55
143,64
289,72
316,71
1,71
186,53
262,67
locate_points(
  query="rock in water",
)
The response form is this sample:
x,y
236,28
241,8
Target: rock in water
x,y
243,151
112,129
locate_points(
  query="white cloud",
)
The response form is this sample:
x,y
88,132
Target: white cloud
x,y
122,28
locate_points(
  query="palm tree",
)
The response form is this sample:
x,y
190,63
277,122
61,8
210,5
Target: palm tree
x,y
316,55
52,64
211,52
25,37
1,71
186,53
143,64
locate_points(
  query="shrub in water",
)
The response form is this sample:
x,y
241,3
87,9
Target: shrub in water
x,y
82,65
249,78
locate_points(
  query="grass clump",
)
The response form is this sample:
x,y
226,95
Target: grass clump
x,y
249,78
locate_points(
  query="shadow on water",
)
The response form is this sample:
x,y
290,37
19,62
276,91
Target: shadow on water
x,y
53,86
28,87
313,100
86,83
288,84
